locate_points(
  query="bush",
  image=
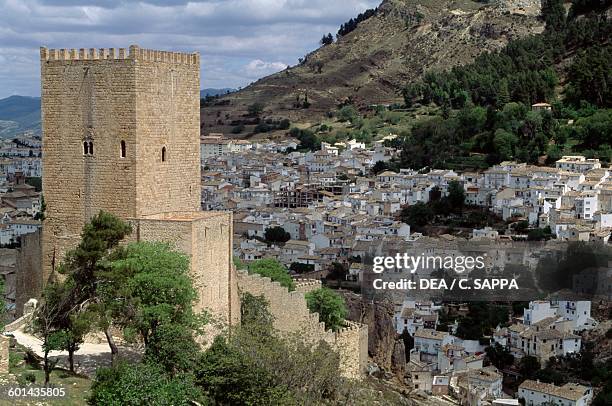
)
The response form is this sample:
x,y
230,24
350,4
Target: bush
x,y
274,270
142,384
26,378
284,124
230,377
347,113
277,234
298,267
262,128
330,306
238,129
254,366
255,109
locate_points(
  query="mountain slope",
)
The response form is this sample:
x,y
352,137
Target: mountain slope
x,y
215,92
404,39
18,114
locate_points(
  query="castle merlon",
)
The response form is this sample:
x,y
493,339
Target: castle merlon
x,y
134,53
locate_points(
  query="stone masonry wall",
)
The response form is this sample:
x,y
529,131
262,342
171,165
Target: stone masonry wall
x,y
206,237
28,270
291,315
147,99
167,116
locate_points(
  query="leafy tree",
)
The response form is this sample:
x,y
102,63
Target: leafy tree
x,y
255,366
230,377
172,347
147,285
337,271
539,234
505,143
470,328
36,182
528,366
277,234
254,312
143,384
379,166
45,323
255,109
307,138
595,130
418,214
274,270
262,128
347,113
238,129
456,195
330,306
299,267
327,39
284,124
499,356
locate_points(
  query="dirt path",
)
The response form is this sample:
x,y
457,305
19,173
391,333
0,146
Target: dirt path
x,y
86,360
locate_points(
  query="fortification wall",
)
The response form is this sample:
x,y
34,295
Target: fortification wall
x,y
307,285
206,237
28,282
167,131
291,315
107,116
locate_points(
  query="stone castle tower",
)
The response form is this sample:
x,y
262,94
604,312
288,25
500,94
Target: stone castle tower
x,y
121,133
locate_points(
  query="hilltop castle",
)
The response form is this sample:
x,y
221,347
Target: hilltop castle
x,y
121,133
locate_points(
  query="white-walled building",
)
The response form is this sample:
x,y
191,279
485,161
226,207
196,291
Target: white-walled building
x,y
571,394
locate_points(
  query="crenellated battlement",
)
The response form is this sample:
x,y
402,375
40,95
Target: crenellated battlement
x,y
134,53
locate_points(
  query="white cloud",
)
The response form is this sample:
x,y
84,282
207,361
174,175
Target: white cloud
x,y
240,40
258,68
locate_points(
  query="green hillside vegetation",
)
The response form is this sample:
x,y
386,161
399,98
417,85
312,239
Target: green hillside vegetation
x,y
477,115
486,105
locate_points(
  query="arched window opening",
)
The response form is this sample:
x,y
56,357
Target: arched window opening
x,y
163,155
85,148
122,149
90,147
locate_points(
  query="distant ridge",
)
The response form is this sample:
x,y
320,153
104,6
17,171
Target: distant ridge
x,y
377,57
216,92
22,113
19,114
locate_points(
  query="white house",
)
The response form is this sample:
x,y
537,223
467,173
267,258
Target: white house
x,y
571,394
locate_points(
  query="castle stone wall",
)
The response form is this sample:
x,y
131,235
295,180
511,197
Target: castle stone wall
x,y
291,316
92,101
28,278
206,237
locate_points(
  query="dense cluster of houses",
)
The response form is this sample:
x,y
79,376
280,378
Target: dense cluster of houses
x,y
21,155
443,364
335,210
20,205
20,158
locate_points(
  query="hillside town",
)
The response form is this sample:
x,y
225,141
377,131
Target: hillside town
x,y
320,212
333,206
20,202
443,364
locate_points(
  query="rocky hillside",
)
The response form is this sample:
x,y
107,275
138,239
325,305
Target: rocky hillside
x,y
370,65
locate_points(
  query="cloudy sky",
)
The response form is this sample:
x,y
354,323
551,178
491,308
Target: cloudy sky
x,y
240,40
